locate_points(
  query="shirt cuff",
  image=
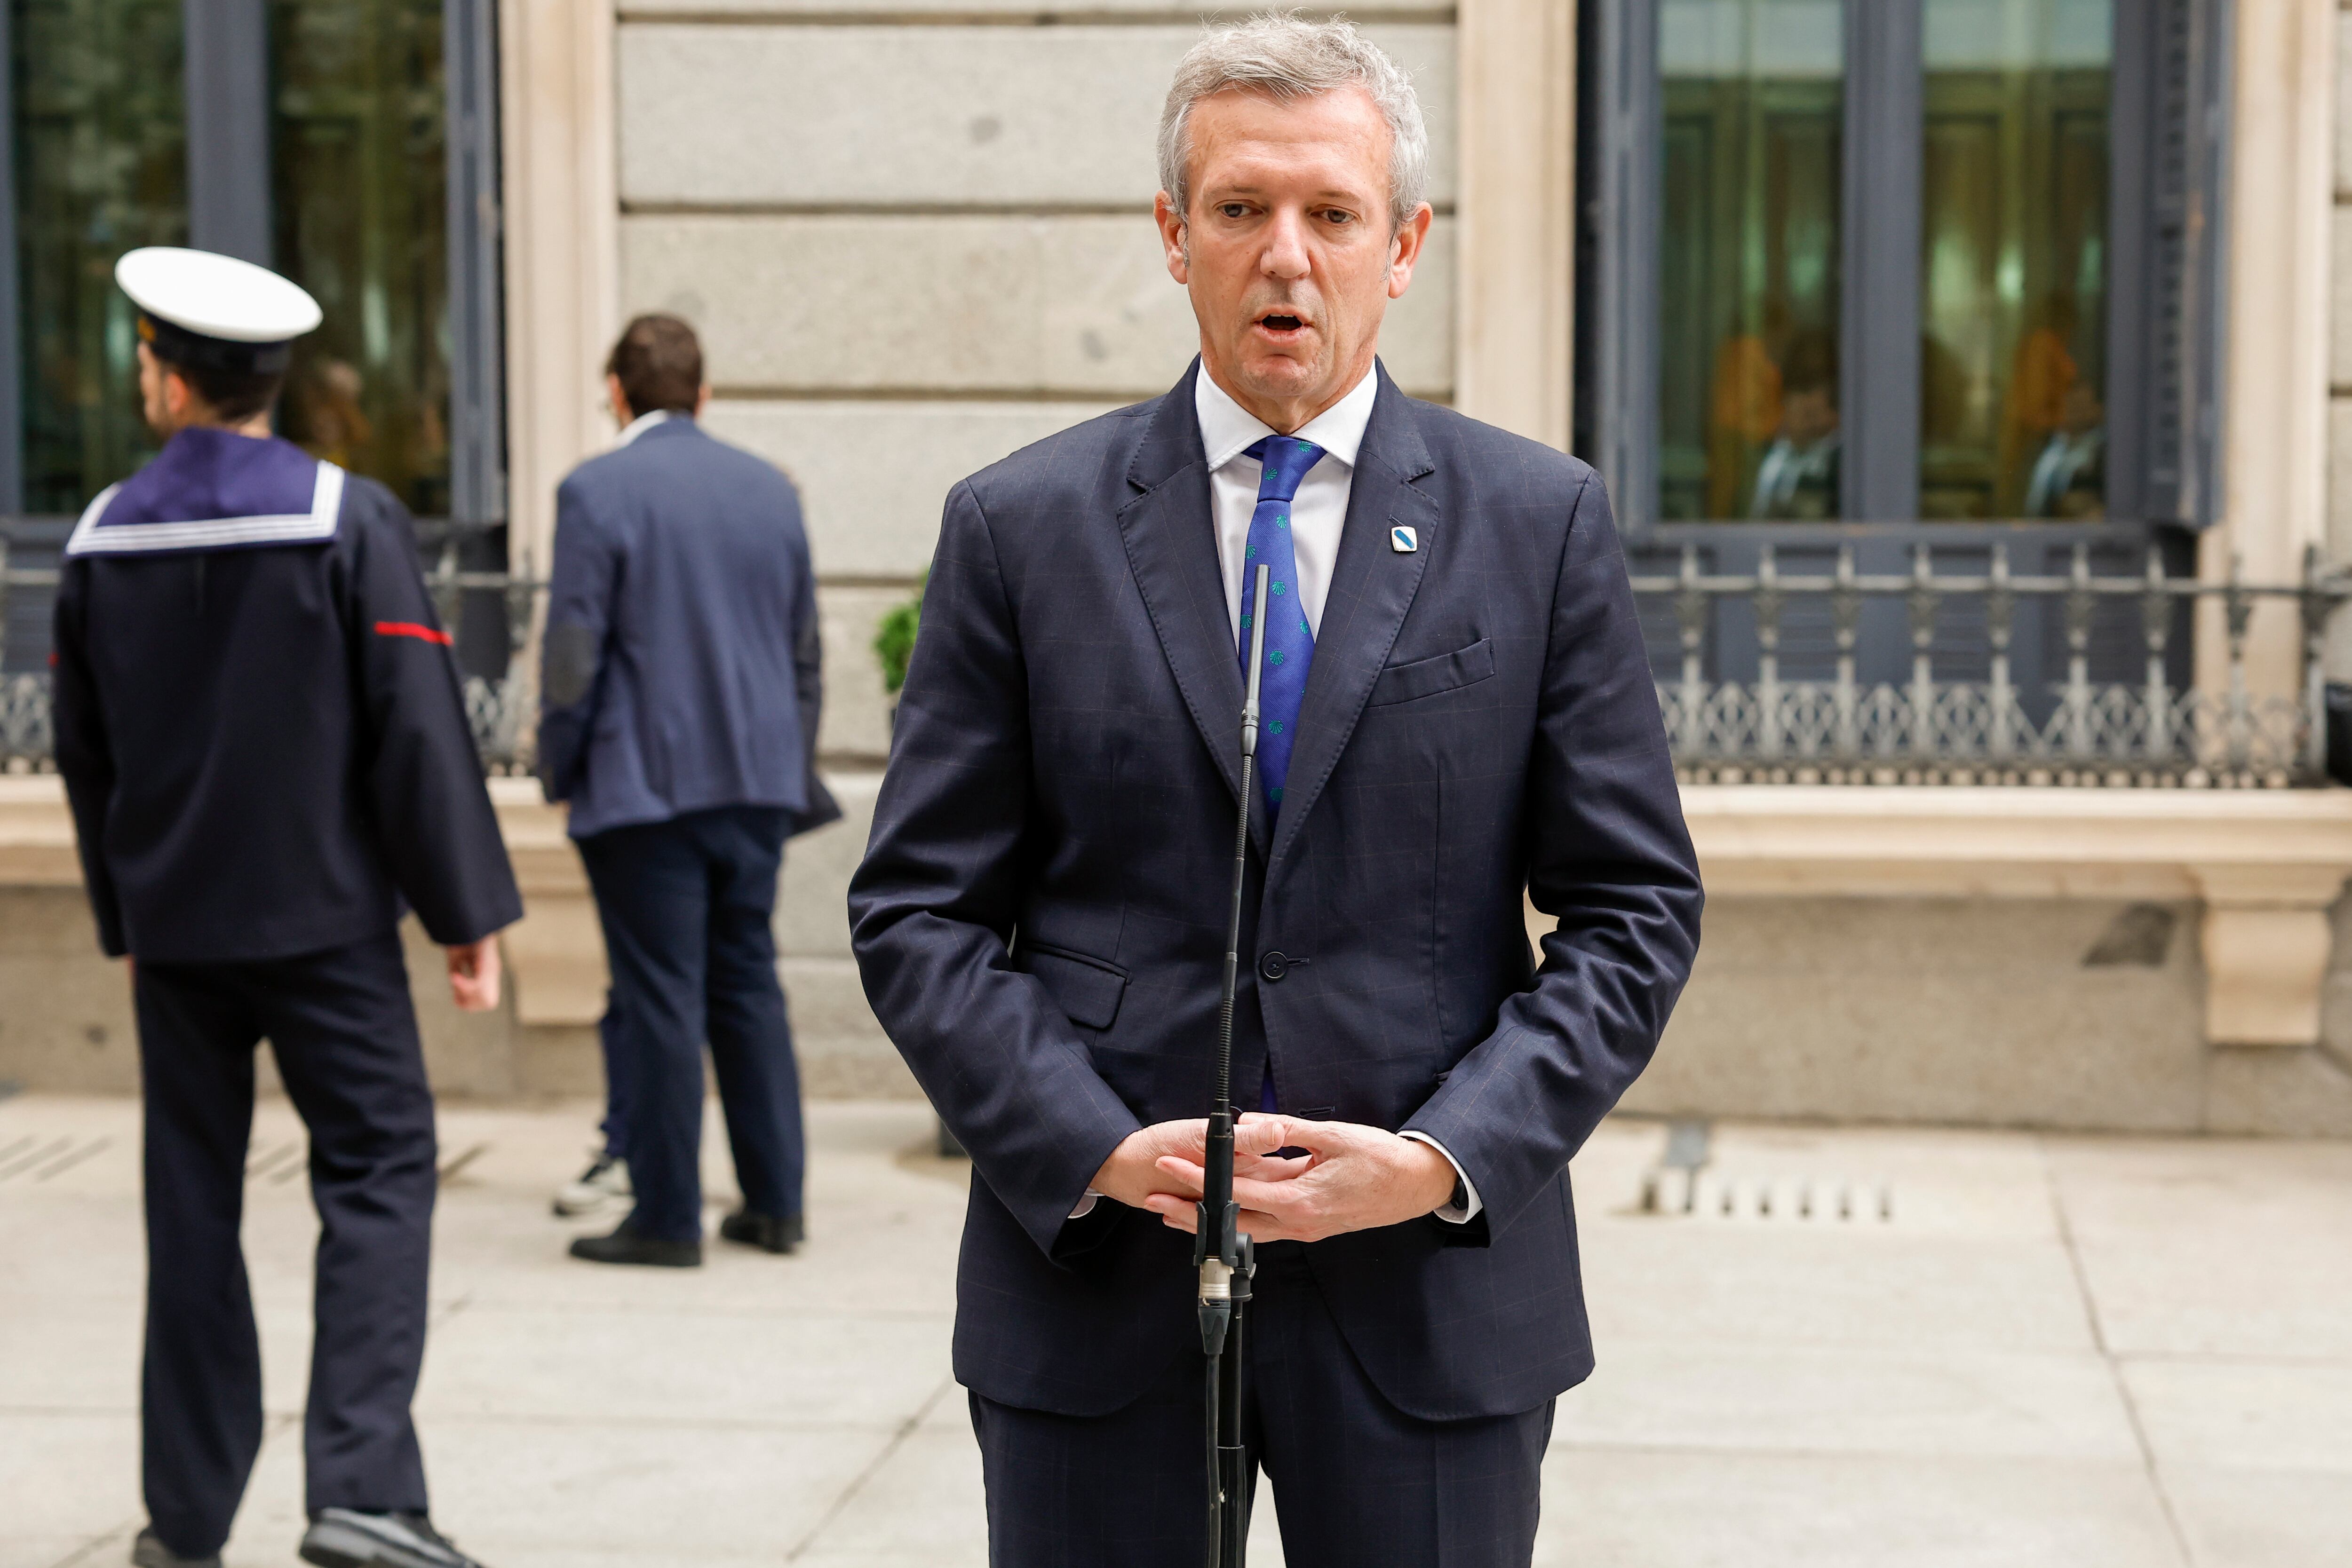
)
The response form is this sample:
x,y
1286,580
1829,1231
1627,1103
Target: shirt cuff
x,y
1465,1211
1087,1204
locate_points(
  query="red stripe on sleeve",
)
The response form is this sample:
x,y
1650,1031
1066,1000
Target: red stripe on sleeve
x,y
411,629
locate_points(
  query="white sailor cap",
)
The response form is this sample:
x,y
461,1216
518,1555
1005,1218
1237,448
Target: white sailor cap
x,y
199,308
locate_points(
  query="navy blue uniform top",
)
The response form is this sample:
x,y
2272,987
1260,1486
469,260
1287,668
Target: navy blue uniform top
x,y
257,717
683,670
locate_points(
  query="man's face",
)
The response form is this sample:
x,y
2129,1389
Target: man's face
x,y
2081,413
1287,250
1809,417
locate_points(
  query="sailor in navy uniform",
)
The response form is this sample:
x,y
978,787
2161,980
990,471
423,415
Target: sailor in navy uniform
x,y
261,731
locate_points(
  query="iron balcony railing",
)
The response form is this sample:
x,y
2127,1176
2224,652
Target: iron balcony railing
x,y
2071,676
1997,724
488,615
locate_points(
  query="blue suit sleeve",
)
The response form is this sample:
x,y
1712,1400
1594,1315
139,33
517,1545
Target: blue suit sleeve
x,y
572,654
1611,860
933,906
808,648
808,686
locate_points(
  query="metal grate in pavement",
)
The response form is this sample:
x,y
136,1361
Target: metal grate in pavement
x,y
281,1161
1685,1185
1721,1195
31,1159
453,1166
277,1161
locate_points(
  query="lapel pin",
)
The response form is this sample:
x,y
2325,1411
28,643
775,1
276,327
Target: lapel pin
x,y
1403,540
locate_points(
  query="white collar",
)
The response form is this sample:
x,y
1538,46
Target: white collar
x,y
1227,429
638,426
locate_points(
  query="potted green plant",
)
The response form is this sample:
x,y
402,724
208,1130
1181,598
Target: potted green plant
x,y
894,645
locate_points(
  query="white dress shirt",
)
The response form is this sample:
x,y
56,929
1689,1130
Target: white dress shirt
x,y
638,426
1316,514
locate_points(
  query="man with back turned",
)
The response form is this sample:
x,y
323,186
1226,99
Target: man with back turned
x,y
1458,713
683,684
260,730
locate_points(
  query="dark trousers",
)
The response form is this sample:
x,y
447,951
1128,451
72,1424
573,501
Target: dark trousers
x,y
344,1032
1356,1480
685,906
618,1069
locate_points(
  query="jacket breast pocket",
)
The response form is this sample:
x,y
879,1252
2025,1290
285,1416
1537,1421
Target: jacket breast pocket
x,y
1087,990
1427,678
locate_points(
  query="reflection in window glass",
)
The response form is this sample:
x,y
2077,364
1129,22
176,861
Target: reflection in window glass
x,y
357,145
101,168
2014,261
1749,246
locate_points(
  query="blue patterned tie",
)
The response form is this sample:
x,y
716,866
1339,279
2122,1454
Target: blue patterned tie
x,y
1290,641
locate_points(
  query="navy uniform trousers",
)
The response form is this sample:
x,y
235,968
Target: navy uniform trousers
x,y
686,906
344,1032
1357,1481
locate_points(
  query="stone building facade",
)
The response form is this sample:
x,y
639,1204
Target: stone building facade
x,y
916,238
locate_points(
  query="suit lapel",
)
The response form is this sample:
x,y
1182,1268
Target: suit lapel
x,y
1170,530
1372,585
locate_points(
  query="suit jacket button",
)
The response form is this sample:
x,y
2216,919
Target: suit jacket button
x,y
1274,966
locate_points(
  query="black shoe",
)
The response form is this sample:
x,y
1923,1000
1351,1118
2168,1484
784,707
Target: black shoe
x,y
345,1538
777,1233
149,1551
626,1246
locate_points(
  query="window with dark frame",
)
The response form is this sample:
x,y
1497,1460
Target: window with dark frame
x,y
352,144
1870,274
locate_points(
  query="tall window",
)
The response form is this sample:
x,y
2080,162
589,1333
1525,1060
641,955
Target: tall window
x,y
2014,259
99,167
1749,259
1899,262
359,200
349,143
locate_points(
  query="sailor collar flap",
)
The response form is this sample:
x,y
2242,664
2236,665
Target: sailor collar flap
x,y
213,489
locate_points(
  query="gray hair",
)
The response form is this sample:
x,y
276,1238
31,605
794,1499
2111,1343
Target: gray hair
x,y
1287,58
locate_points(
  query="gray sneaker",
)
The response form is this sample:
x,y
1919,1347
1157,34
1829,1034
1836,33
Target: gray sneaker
x,y
343,1538
602,1186
149,1551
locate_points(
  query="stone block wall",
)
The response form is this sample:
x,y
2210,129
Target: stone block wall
x,y
2075,1013
2019,1012
917,239
916,244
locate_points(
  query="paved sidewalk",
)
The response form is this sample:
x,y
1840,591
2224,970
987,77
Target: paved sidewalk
x,y
2014,1350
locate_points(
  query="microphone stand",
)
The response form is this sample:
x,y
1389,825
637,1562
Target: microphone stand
x,y
1219,1248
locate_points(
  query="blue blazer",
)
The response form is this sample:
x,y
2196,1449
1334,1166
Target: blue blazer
x,y
682,668
1040,916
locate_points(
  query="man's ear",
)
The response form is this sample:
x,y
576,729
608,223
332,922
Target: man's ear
x,y
1171,237
178,395
1404,250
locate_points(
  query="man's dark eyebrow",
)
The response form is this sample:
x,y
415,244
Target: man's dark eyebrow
x,y
1353,200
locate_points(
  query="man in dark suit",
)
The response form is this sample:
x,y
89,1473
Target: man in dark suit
x,y
682,683
1458,713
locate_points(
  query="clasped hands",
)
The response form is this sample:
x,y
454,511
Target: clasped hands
x,y
1351,1177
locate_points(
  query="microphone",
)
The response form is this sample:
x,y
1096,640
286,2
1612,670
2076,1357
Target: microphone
x,y
1220,1249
